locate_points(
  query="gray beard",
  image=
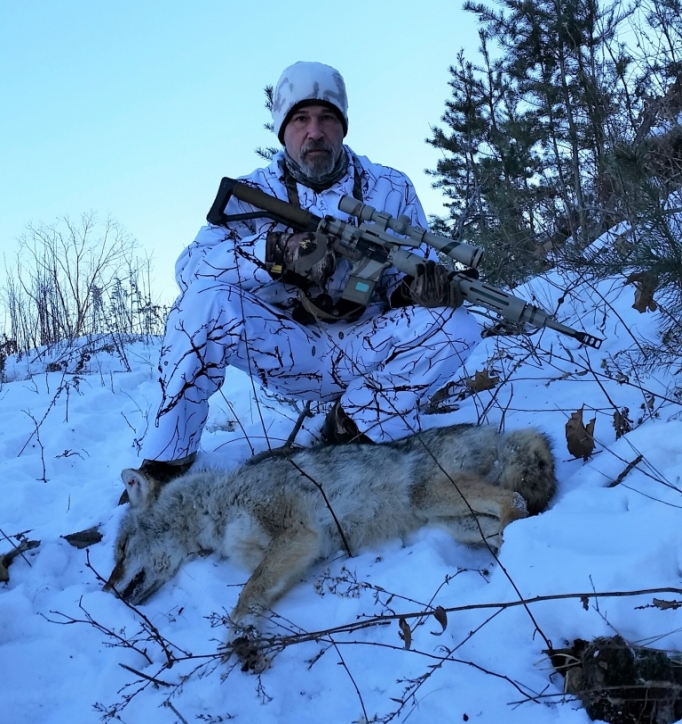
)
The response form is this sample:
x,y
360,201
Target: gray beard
x,y
320,173
317,167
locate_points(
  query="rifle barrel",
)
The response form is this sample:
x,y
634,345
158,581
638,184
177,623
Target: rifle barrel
x,y
506,305
296,217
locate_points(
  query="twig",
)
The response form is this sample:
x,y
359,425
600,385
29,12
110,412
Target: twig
x,y
305,412
153,679
124,642
629,467
53,402
601,375
418,683
343,663
442,660
489,547
236,417
40,443
18,549
288,445
156,635
385,619
454,483
327,502
175,711
7,558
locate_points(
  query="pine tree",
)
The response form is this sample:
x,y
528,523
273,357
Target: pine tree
x,y
543,127
560,131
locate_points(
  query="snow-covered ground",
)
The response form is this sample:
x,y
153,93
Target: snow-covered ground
x,y
71,653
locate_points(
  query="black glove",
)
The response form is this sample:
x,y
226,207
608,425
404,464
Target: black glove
x,y
434,286
287,252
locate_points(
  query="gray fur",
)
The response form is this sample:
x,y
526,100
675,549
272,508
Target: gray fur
x,y
272,518
520,460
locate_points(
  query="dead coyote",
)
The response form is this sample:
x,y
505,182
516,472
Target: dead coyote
x,y
277,516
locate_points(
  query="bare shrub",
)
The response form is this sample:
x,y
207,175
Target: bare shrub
x,y
72,279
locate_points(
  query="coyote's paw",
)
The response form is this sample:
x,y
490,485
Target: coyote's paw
x,y
520,505
243,623
246,643
518,509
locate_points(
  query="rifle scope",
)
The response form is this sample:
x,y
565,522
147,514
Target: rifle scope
x,y
458,250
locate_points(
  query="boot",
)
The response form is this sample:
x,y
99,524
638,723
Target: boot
x,y
339,429
163,471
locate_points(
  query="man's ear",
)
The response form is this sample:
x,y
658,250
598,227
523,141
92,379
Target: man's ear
x,y
141,489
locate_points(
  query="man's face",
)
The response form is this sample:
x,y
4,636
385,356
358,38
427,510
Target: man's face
x,y
313,137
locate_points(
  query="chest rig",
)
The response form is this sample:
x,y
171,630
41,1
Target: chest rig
x,y
311,309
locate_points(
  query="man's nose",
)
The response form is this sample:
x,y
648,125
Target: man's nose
x,y
315,129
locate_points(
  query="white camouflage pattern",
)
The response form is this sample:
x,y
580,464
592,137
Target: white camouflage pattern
x,y
232,312
305,81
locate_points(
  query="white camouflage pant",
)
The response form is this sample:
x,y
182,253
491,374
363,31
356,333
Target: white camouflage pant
x,y
380,367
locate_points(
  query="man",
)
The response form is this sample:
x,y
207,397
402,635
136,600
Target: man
x,y
242,305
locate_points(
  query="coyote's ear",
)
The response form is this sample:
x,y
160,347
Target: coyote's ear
x,y
141,489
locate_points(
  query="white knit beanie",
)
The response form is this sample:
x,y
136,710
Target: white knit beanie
x,y
305,81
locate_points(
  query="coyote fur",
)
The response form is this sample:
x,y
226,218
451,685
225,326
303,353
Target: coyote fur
x,y
277,516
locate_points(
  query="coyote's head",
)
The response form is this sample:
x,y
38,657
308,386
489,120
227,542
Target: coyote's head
x,y
147,554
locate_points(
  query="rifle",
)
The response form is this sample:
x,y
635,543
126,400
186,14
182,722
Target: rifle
x,y
370,248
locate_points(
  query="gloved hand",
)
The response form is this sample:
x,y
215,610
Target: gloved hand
x,y
288,252
434,286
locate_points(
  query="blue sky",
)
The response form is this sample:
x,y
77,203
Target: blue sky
x,y
136,109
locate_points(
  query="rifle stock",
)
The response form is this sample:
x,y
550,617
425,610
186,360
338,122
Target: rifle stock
x,y
372,249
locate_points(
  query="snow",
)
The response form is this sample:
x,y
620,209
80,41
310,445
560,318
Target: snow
x,y
65,435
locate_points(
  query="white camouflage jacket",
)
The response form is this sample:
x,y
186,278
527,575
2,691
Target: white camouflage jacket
x,y
236,254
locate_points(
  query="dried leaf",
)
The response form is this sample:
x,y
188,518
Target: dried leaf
x,y
622,423
405,632
663,605
585,602
84,538
645,286
437,405
481,381
443,394
7,558
442,617
580,438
